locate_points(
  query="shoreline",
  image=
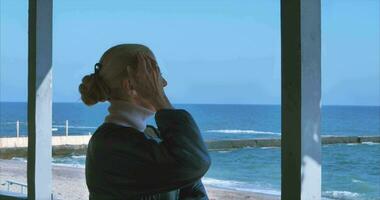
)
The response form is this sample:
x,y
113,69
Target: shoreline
x,y
77,145
69,183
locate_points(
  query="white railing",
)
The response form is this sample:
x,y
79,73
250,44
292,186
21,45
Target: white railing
x,y
22,186
53,129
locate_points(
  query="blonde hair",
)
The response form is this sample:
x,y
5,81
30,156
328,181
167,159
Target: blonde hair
x,y
105,82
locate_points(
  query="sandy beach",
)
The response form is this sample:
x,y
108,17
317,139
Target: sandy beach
x,y
69,183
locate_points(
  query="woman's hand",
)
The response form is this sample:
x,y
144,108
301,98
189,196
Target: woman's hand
x,y
148,82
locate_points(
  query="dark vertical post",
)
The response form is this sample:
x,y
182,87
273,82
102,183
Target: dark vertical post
x,y
300,99
40,99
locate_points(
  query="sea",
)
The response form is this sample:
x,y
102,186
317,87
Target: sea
x,y
349,171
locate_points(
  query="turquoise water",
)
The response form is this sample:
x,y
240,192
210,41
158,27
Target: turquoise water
x,y
348,171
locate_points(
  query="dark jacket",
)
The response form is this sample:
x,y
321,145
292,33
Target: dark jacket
x,y
163,164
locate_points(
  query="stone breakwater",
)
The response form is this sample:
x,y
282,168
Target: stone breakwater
x,y
239,143
77,145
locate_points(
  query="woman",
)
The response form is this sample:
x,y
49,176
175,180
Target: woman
x,y
127,159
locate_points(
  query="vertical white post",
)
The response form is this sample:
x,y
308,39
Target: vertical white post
x,y
67,127
39,100
300,99
18,128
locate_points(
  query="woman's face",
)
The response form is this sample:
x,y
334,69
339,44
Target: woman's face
x,y
151,55
164,82
141,102
149,62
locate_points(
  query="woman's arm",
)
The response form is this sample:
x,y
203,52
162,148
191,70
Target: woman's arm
x,y
148,167
195,190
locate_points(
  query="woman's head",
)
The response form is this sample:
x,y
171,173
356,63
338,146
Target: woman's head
x,y
112,77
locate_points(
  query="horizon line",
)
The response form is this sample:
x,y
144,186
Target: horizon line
x,y
264,104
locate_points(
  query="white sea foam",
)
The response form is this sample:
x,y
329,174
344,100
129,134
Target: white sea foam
x,y
269,147
239,131
370,143
238,185
357,181
221,151
340,195
365,143
19,159
70,161
74,165
79,157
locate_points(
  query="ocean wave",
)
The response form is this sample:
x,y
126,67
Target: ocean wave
x,y
19,159
79,157
239,131
70,157
223,151
363,143
238,185
76,161
73,165
340,195
269,147
357,181
370,143
68,161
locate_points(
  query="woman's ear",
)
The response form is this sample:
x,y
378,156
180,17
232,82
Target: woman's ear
x,y
126,85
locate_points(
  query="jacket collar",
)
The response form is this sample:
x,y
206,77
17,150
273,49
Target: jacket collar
x,y
127,114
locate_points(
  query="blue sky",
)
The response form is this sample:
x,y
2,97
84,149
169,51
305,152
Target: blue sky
x,y
209,51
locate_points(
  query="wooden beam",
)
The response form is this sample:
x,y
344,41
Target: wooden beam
x,y
39,100
300,99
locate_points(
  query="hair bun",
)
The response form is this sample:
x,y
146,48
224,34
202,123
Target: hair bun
x,y
93,89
